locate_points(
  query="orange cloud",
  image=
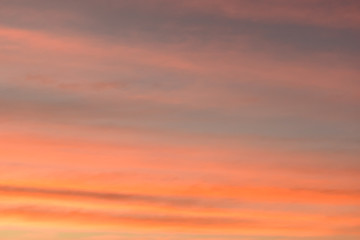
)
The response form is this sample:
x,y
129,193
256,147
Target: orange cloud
x,y
106,220
192,119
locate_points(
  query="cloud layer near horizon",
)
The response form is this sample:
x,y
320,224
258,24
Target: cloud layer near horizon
x,y
179,120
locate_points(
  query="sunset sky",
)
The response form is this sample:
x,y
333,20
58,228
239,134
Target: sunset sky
x,y
179,119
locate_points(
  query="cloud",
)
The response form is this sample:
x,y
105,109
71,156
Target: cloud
x,y
233,117
107,196
111,221
320,13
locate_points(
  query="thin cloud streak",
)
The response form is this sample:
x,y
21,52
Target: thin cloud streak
x,y
106,220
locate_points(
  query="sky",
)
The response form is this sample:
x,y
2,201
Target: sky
x,y
179,120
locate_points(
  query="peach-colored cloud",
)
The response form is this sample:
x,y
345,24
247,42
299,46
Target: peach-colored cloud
x,y
106,220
